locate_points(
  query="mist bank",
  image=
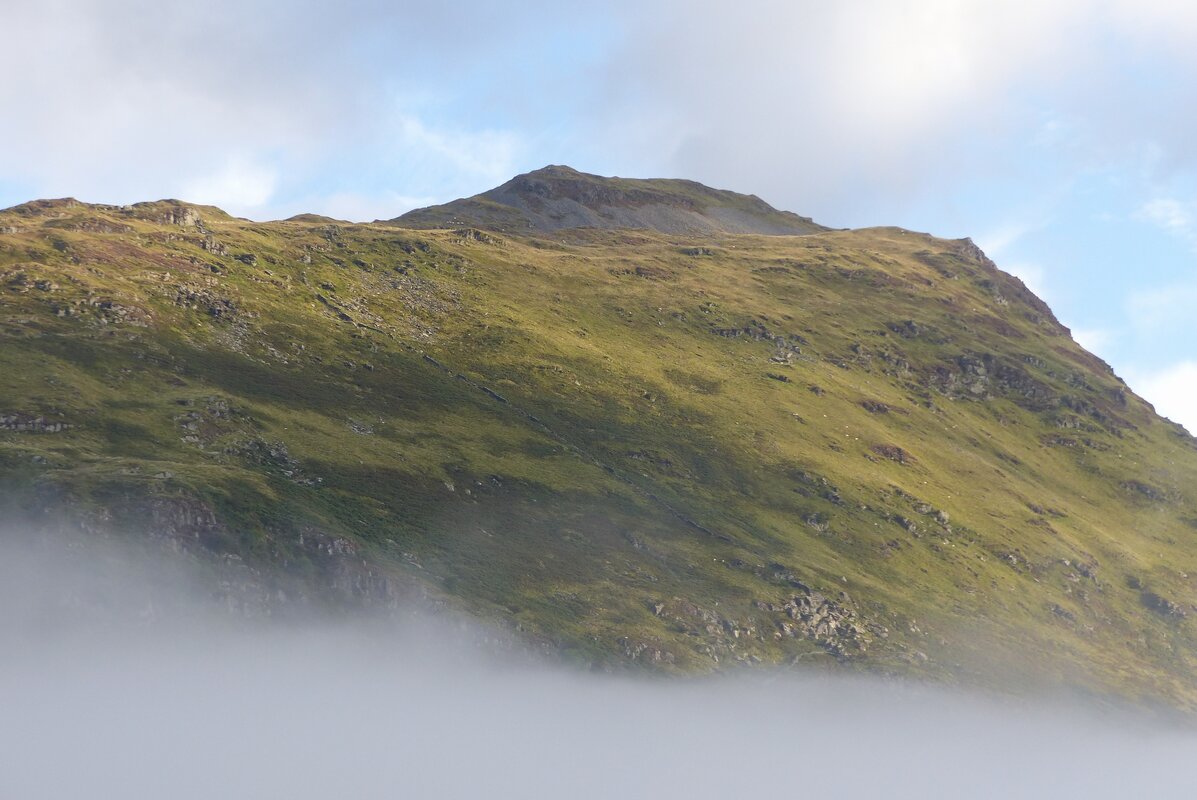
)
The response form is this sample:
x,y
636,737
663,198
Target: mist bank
x,y
123,675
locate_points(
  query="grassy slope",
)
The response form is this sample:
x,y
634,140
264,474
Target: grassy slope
x,y
686,429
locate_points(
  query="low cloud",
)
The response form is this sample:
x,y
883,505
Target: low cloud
x,y
122,677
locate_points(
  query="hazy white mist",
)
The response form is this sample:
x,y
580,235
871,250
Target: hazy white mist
x,y
121,678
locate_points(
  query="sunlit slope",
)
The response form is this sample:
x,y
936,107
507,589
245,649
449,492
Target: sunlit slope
x,y
860,448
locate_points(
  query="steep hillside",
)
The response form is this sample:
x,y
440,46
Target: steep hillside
x,y
555,198
867,449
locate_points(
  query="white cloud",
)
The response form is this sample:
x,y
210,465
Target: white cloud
x,y
855,111
1168,213
1174,216
844,110
1173,392
240,186
1092,339
248,105
829,103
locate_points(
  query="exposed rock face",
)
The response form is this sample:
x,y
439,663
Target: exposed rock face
x,y
214,246
32,424
815,616
556,198
169,212
983,376
183,216
183,520
206,300
644,652
336,569
967,249
810,615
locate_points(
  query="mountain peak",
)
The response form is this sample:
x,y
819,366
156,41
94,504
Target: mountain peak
x,y
557,197
555,170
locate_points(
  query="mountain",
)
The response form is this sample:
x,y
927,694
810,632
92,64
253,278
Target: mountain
x,y
555,197
683,449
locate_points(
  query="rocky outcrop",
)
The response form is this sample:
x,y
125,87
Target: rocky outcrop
x,y
907,329
475,235
893,453
337,573
32,424
346,573
1163,606
202,299
102,311
786,346
275,456
644,652
812,615
182,520
982,376
168,212
213,245
1145,490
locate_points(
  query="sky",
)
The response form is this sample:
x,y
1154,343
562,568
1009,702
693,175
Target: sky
x,y
1061,135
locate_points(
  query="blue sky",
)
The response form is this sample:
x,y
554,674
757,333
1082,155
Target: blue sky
x,y
1059,134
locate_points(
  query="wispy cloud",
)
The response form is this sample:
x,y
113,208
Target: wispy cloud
x,y
1169,214
488,153
1174,216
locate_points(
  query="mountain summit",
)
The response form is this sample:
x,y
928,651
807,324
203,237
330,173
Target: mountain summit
x,y
870,449
558,197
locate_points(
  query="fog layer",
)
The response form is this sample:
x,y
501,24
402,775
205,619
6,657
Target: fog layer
x,y
120,678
